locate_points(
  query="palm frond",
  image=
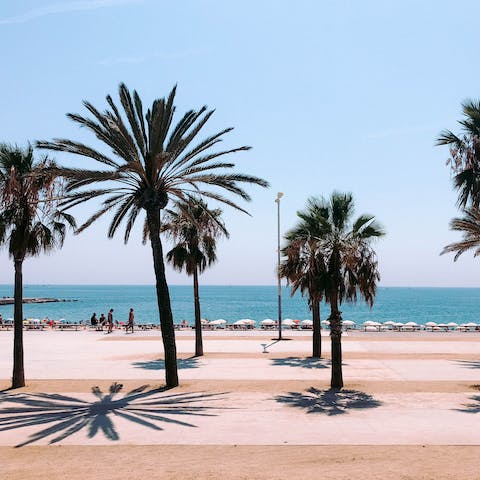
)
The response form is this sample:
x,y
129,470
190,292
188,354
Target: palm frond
x,y
120,215
77,148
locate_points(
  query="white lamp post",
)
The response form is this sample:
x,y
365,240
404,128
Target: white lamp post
x,y
277,200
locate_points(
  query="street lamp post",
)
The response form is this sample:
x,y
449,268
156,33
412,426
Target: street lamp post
x,y
277,200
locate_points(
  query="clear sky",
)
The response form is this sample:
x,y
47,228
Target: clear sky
x,y
343,95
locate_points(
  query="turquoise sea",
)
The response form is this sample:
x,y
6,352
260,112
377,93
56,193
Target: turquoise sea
x,y
441,305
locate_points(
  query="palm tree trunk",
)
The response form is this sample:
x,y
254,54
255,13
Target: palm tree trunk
x,y
163,299
317,334
198,322
18,377
336,341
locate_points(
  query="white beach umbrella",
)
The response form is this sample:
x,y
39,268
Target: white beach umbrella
x,y
249,321
288,322
204,321
267,322
411,324
307,322
442,325
325,322
349,322
471,324
431,324
389,322
220,321
239,322
369,323
452,324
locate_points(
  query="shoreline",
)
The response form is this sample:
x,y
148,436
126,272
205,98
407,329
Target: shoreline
x,y
397,304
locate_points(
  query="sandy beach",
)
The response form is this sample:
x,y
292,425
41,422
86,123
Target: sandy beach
x,y
408,409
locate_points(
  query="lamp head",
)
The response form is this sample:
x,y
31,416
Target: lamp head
x,y
279,195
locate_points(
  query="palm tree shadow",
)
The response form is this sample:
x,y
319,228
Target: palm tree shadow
x,y
329,402
159,364
306,362
65,415
470,407
468,363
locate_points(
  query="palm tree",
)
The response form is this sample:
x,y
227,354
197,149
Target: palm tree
x,y
465,154
350,262
469,225
195,228
304,266
30,223
153,162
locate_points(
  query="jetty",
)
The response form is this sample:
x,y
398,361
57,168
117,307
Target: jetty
x,y
10,300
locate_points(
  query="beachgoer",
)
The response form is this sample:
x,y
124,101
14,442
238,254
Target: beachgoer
x,y
131,318
184,323
102,320
110,320
1,319
94,320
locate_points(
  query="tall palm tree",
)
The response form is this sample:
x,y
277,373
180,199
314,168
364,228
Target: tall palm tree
x,y
350,263
304,266
195,229
30,223
469,225
465,154
153,162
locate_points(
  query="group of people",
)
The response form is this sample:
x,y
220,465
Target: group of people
x,y
108,321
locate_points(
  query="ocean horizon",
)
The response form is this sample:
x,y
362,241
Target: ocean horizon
x,y
235,302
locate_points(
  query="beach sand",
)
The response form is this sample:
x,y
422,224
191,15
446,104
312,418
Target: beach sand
x,y
409,409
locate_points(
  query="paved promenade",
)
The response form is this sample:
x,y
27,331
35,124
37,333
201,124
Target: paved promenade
x,y
87,389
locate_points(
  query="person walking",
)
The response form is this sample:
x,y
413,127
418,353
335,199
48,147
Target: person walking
x,y
110,320
131,319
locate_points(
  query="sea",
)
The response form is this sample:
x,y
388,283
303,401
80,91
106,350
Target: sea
x,y
232,303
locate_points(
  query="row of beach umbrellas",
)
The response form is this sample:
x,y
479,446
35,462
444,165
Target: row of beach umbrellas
x,y
288,322
392,324
221,321
268,322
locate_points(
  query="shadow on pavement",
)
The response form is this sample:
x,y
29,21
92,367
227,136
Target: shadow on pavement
x,y
307,362
160,364
329,402
65,415
468,363
471,407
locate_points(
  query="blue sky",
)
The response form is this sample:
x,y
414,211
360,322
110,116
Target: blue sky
x,y
341,95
